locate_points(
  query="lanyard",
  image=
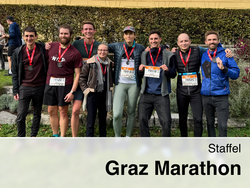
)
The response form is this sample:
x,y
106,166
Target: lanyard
x,y
210,55
185,63
32,56
59,52
154,62
103,72
91,48
128,56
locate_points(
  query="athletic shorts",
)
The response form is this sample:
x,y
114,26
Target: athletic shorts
x,y
11,50
79,94
54,95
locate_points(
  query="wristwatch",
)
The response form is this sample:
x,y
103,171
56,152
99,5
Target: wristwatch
x,y
73,92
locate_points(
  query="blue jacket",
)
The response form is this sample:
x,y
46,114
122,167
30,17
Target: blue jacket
x,y
14,35
215,81
117,49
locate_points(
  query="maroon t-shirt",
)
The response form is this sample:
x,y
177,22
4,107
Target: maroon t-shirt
x,y
71,59
37,76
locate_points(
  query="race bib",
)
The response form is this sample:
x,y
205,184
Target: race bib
x,y
57,81
189,80
127,70
152,71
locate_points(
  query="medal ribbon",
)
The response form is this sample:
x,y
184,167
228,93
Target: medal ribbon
x,y
103,72
32,56
128,56
210,55
185,63
59,52
91,48
154,62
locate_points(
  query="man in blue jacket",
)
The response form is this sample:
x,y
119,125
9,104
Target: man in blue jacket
x,y
14,38
216,71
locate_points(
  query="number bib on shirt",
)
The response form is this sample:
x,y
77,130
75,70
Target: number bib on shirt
x,y
189,80
152,71
127,70
57,81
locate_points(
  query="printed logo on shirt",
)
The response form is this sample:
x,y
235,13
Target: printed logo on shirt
x,y
54,58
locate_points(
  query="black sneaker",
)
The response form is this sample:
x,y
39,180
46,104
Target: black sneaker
x,y
8,74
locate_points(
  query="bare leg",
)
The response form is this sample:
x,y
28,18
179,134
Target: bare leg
x,y
54,120
75,117
64,119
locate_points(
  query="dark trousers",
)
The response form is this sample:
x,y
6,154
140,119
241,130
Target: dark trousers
x,y
26,94
219,104
149,102
96,101
1,57
196,105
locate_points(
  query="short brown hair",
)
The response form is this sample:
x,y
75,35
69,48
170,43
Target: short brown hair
x,y
65,26
155,32
211,33
88,22
30,29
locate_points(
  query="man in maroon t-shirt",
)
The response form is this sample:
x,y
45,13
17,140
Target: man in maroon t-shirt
x,y
64,59
29,69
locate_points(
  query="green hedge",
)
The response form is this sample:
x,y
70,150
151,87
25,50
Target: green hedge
x,y
231,24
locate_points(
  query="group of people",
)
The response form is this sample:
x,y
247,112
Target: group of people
x,y
59,73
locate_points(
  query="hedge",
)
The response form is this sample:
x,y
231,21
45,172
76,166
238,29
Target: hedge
x,y
110,22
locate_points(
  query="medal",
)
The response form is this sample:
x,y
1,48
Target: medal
x,y
128,56
214,56
185,63
59,64
103,71
30,67
61,55
91,48
154,62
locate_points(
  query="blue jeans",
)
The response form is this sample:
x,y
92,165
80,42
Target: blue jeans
x,y
219,104
149,102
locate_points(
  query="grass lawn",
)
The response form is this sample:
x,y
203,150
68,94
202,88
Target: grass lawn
x,y
5,80
46,131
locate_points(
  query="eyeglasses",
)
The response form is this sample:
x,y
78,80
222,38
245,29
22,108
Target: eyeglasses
x,y
102,50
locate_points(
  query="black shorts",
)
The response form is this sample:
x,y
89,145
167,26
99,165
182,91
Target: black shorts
x,y
78,94
11,50
54,95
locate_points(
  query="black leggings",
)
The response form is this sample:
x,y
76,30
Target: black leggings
x,y
1,57
195,101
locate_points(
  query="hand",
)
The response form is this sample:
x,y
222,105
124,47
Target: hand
x,y
147,49
16,97
174,49
164,67
81,38
229,53
69,97
47,45
142,67
219,63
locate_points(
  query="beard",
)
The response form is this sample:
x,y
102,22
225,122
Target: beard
x,y
64,40
212,47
